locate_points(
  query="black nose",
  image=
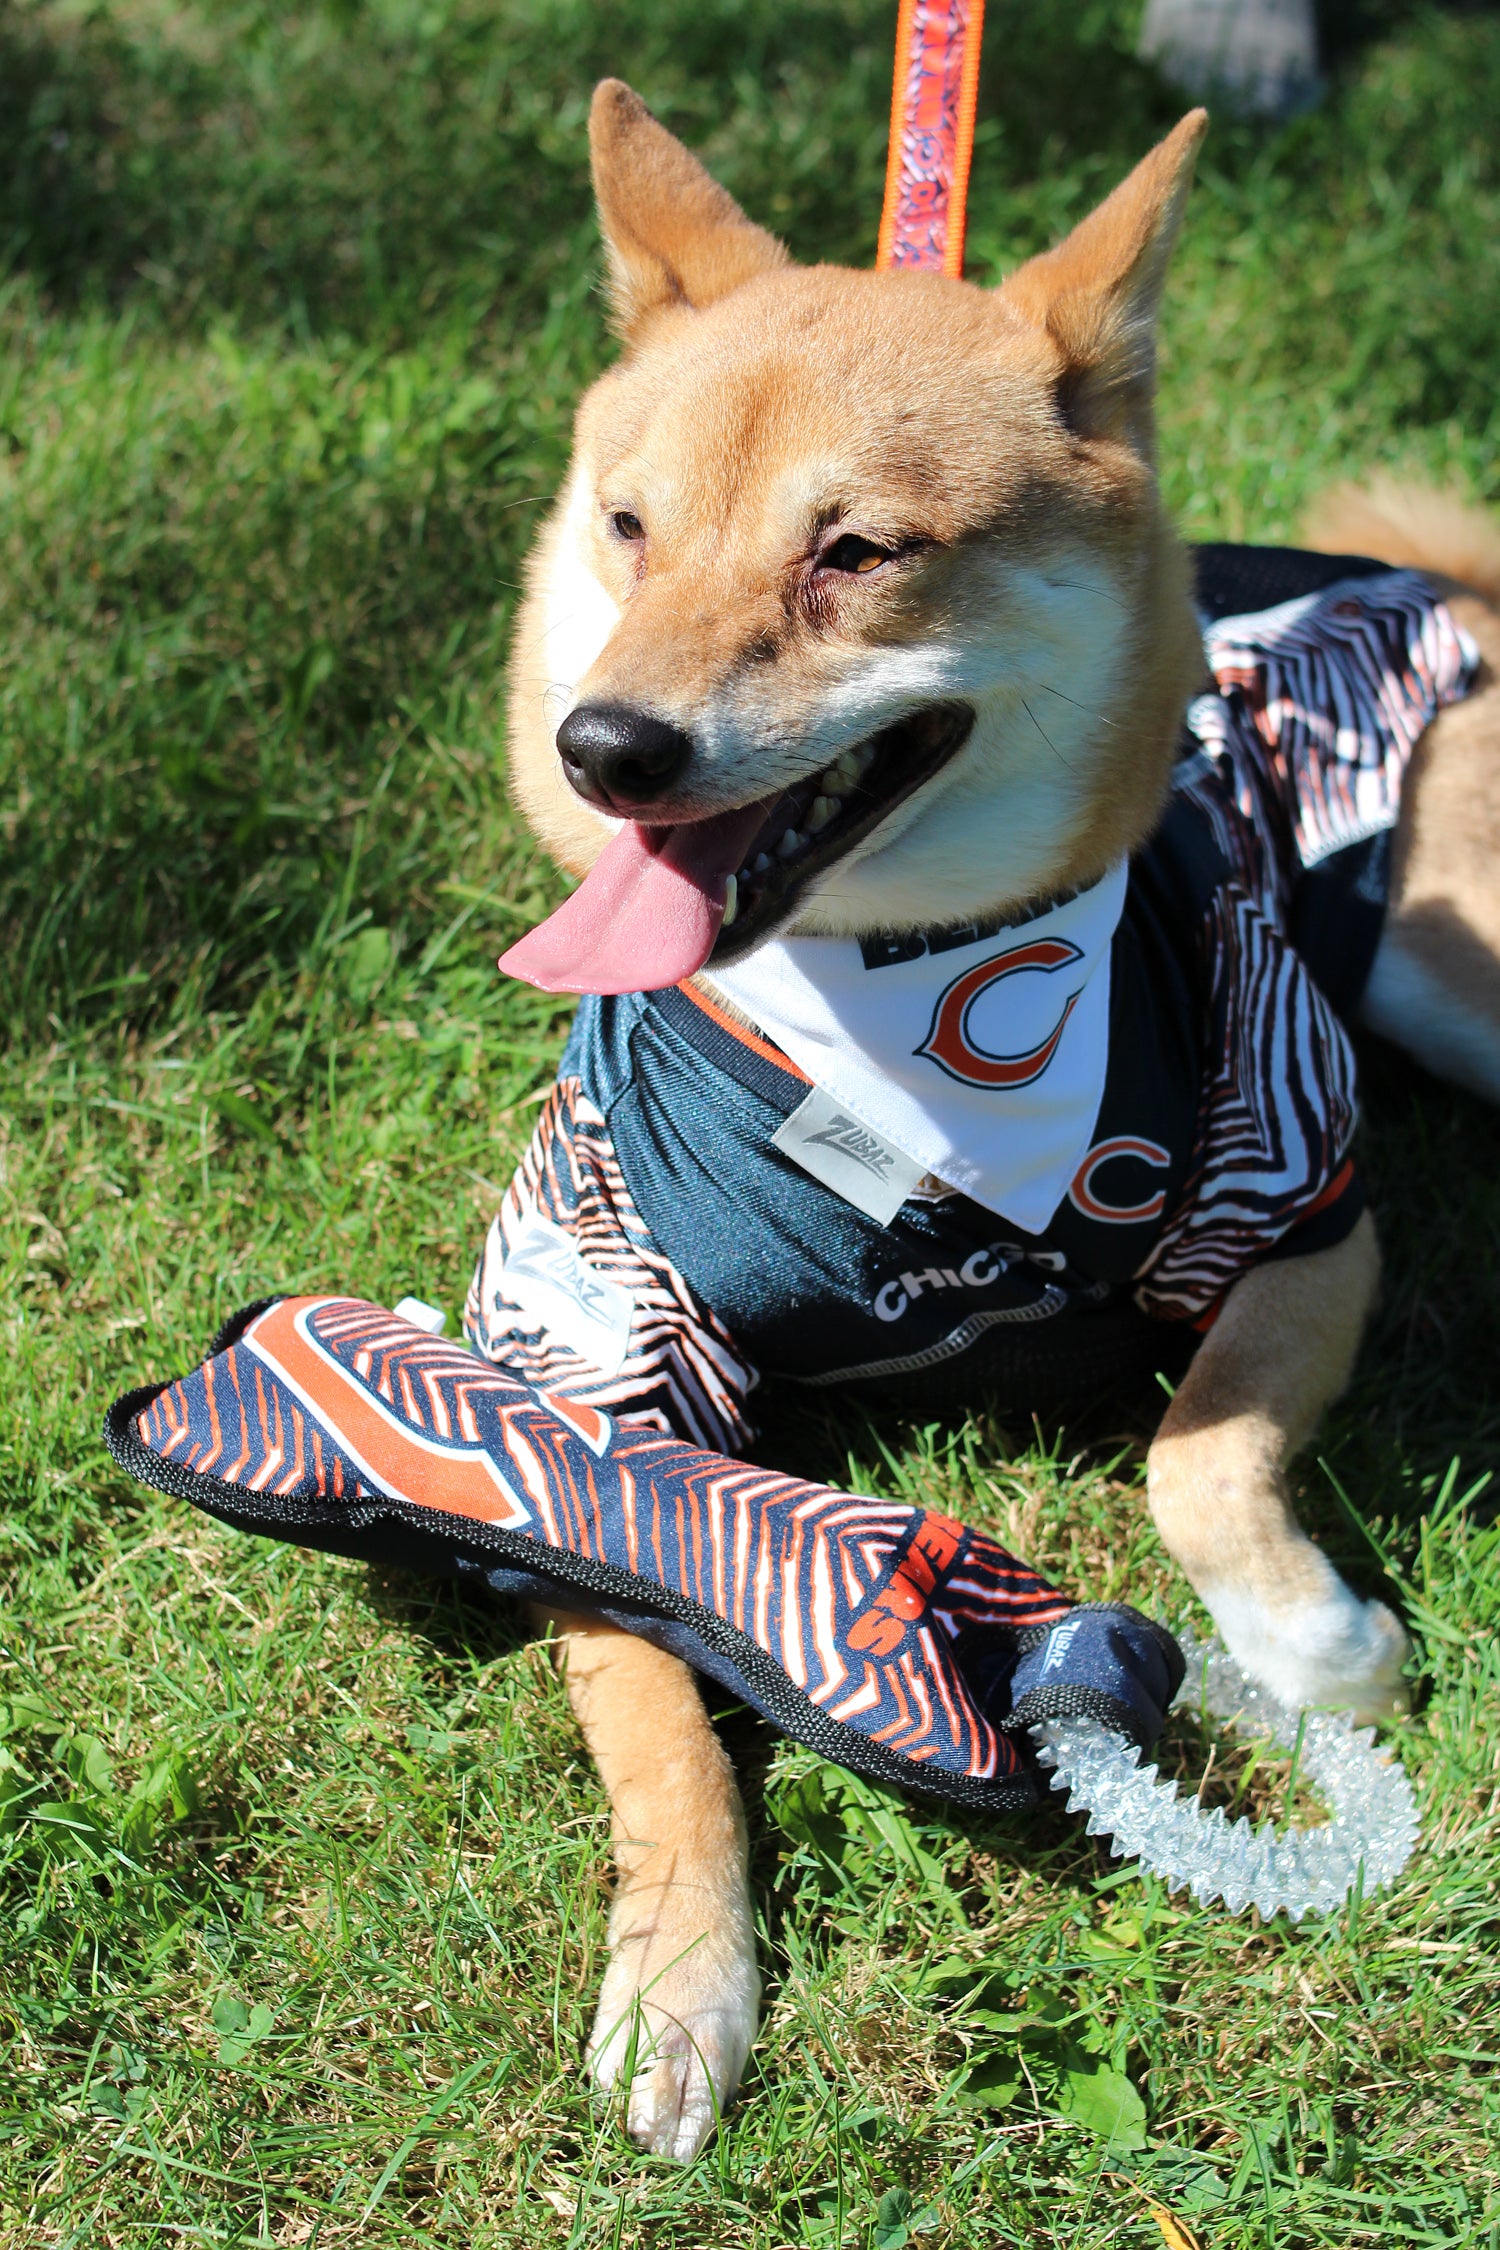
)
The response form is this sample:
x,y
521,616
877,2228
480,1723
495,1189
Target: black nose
x,y
617,756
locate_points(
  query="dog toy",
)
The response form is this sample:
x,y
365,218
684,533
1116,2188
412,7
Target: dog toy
x,y
1307,1871
891,1639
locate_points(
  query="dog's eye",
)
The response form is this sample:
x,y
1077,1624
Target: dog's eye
x,y
853,555
626,526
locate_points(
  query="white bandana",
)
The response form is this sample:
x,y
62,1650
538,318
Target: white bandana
x,y
980,1058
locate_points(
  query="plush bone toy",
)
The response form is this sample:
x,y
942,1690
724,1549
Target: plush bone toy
x,y
891,1639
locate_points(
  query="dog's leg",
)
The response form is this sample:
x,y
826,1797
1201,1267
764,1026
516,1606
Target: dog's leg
x,y
682,1990
1281,1349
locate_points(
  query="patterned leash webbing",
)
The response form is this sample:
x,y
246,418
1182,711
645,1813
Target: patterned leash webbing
x,y
932,135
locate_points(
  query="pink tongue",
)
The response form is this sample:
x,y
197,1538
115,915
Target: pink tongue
x,y
646,914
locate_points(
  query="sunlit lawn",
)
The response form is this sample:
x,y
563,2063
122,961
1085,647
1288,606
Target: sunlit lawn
x,y
304,1870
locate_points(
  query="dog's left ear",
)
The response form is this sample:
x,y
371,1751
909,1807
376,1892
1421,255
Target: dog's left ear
x,y
672,234
1098,293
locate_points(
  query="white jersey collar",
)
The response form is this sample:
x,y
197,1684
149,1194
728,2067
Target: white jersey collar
x,y
982,1058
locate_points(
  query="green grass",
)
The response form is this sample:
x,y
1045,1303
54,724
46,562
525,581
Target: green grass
x,y
303,1868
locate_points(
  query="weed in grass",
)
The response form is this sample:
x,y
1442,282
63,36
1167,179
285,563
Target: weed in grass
x,y
303,1865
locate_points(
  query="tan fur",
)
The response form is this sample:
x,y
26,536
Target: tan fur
x,y
682,1985
671,234
1445,907
756,403
1408,524
1444,924
1281,1349
1005,431
1099,292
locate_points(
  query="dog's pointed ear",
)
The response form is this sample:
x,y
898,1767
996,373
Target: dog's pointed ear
x,y
1098,293
672,234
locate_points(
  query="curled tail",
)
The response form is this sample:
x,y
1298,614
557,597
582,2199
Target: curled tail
x,y
1409,524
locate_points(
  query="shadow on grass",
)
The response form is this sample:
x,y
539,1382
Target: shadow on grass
x,y
461,1625
1426,1385
369,170
254,584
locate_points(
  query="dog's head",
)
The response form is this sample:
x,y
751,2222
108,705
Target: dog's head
x,y
858,610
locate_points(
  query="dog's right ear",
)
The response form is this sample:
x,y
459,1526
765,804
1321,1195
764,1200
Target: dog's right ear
x,y
1098,293
673,236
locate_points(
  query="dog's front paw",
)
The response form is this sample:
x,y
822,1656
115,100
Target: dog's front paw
x,y
676,2017
1337,1652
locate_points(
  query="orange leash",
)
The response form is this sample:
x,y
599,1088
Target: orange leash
x,y
933,99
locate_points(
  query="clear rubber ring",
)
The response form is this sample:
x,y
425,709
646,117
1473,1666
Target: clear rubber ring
x,y
1307,1870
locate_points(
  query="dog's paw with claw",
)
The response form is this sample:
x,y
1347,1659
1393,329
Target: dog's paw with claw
x,y
676,2018
1336,1653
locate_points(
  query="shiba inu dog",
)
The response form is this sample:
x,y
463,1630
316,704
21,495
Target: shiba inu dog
x,y
860,616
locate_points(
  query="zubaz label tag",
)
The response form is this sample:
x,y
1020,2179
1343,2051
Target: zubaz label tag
x,y
844,1154
544,1274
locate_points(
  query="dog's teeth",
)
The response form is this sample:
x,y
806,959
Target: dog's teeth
x,y
820,813
763,861
848,767
731,901
833,781
790,842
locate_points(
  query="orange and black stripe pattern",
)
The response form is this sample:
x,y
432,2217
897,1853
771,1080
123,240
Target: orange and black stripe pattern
x,y
1302,753
329,1412
683,1373
1319,706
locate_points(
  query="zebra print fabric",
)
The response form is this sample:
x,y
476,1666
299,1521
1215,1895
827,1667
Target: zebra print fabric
x,y
846,1619
1277,1115
1304,748
681,1374
1320,705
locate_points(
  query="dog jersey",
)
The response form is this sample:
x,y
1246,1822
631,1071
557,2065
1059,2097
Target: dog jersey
x,y
660,1249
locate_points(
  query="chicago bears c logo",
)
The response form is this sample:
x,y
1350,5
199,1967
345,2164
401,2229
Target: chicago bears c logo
x,y
1084,1196
949,1042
